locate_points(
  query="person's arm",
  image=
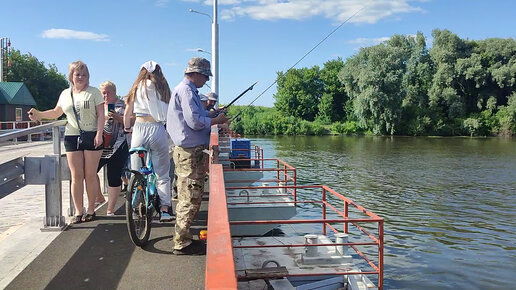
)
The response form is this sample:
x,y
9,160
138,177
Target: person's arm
x,y
192,113
128,116
36,115
119,118
101,119
220,119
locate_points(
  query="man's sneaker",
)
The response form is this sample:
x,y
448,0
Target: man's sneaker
x,y
196,248
166,217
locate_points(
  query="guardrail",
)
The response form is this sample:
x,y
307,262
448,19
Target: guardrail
x,y
16,126
49,170
220,264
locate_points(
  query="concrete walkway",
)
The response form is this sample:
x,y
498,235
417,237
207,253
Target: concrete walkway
x,y
100,255
95,255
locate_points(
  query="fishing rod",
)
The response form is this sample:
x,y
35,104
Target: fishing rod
x,y
225,108
306,54
239,96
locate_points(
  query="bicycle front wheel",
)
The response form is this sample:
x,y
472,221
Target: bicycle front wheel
x,y
138,215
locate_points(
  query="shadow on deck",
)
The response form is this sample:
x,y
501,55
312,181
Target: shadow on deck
x,y
100,255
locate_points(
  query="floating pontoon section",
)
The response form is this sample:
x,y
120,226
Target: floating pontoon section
x,y
275,247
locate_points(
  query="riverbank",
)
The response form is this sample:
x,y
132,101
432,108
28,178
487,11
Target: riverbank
x,y
265,121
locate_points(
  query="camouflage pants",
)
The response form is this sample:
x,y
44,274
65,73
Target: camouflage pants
x,y
190,171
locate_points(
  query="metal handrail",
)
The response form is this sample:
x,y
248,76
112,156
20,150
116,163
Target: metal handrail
x,y
220,263
32,130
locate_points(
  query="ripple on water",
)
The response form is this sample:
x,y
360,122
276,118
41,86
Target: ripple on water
x,y
449,204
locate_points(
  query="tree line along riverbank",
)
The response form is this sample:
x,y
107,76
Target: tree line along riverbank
x,y
398,87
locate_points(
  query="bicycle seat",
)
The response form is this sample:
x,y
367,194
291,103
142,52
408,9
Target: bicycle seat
x,y
137,150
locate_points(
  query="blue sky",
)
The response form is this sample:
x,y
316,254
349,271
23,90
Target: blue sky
x,y
257,38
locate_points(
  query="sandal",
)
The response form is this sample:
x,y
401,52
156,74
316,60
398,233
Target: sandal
x,y
89,217
77,219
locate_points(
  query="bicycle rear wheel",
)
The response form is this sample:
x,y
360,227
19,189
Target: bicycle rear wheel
x,y
138,215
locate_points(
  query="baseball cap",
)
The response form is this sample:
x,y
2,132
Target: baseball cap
x,y
199,65
203,98
150,66
212,96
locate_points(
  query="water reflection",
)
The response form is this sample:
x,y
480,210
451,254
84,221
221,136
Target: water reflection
x,y
449,204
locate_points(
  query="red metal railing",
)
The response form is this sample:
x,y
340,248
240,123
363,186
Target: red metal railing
x,y
220,266
345,220
285,173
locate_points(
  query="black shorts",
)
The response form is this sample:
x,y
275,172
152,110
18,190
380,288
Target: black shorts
x,y
115,165
70,142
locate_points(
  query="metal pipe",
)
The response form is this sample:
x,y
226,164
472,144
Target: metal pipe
x,y
302,245
32,130
215,50
315,221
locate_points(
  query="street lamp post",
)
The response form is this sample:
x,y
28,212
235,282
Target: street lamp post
x,y
214,46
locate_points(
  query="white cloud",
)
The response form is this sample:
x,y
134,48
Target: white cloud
x,y
363,42
74,34
337,10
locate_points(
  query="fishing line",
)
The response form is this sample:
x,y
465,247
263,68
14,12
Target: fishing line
x,y
306,54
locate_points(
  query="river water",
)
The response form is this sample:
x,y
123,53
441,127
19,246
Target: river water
x,y
449,204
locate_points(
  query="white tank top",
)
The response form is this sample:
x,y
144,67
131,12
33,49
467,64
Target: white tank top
x,y
147,102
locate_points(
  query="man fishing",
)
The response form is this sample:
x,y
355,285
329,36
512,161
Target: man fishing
x,y
212,100
189,127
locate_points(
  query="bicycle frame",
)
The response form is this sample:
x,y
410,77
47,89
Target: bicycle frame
x,y
148,172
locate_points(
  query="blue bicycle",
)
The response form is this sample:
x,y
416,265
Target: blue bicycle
x,y
142,199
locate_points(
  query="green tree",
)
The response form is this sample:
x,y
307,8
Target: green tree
x,y
299,92
449,89
373,79
416,83
45,84
333,100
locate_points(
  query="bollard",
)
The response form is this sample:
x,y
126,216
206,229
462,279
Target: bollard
x,y
342,238
282,190
265,190
311,251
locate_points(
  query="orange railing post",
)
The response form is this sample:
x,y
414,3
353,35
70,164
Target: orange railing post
x,y
324,208
380,255
346,215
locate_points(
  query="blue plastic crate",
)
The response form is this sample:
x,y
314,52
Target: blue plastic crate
x,y
240,148
240,143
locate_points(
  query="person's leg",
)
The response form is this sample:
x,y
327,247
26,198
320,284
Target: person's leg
x,y
114,169
160,160
91,163
137,140
125,181
76,164
190,186
100,197
172,174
